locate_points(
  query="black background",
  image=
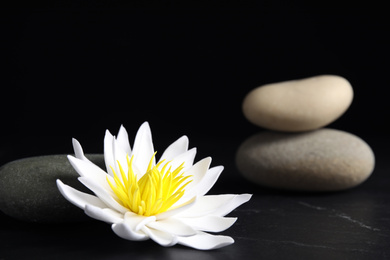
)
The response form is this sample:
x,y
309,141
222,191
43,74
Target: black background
x,y
74,69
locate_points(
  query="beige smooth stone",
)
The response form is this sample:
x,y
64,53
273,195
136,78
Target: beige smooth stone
x,y
298,105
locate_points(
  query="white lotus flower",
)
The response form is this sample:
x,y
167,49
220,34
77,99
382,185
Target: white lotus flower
x,y
165,202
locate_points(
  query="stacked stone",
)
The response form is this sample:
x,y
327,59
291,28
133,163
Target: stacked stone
x,y
298,153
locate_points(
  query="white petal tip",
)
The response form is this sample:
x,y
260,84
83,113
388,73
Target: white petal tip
x,y
145,124
59,183
185,139
122,129
204,241
70,157
107,134
246,197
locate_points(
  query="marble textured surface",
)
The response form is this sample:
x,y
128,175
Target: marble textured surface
x,y
353,224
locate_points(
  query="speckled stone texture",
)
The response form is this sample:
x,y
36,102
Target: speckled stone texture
x,y
28,189
320,160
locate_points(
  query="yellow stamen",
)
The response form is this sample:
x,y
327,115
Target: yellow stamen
x,y
155,192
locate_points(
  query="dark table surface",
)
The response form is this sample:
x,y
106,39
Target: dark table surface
x,y
352,224
68,70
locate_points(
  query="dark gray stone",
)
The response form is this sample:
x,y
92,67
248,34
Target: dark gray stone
x,y
28,189
320,160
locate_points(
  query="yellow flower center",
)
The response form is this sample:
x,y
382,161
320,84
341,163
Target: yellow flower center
x,y
155,192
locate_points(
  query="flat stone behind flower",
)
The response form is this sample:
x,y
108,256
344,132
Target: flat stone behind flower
x,y
28,189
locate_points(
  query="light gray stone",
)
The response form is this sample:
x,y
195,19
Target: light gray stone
x,y
320,160
298,105
28,189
